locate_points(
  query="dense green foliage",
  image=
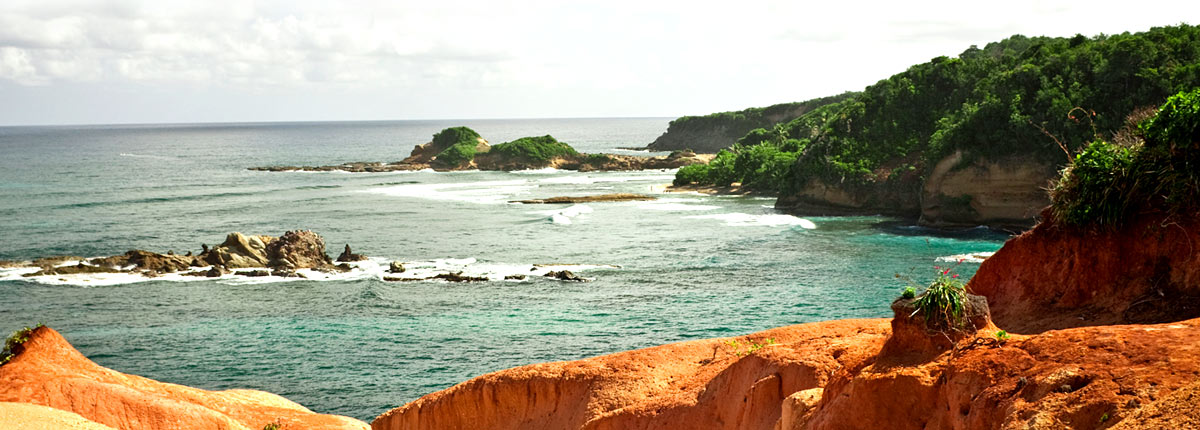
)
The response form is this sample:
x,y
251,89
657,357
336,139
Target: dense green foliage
x,y
738,123
460,143
1036,96
16,339
540,149
762,161
1108,182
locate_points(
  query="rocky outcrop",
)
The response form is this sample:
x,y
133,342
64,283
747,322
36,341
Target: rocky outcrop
x,y
347,256
703,384
1058,276
25,416
48,372
294,250
1008,192
618,197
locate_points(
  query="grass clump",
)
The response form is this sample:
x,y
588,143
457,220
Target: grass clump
x,y
1157,169
18,338
943,303
460,143
539,149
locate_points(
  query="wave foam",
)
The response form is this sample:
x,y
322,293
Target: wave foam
x,y
677,207
974,257
376,268
768,220
485,192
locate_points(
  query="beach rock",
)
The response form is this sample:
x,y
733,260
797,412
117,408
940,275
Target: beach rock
x,y
300,249
396,267
458,277
72,270
564,275
48,262
148,261
618,197
48,372
239,251
514,277
286,273
216,272
347,256
254,273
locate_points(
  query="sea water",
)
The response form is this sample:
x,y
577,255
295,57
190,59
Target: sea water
x,y
685,266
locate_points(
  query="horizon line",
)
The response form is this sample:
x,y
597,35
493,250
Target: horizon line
x,y
251,122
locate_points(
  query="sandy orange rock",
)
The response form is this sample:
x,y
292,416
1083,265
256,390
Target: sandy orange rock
x,y
703,384
1058,276
48,371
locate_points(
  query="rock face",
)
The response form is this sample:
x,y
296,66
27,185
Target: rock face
x,y
703,384
300,249
819,198
911,333
1058,276
348,256
239,251
48,372
1008,192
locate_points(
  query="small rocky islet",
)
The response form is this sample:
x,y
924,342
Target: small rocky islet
x,y
461,148
295,254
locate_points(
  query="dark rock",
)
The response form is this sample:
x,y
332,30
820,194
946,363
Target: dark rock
x,y
618,197
458,277
350,256
71,270
146,261
216,272
564,275
286,273
254,273
395,267
515,277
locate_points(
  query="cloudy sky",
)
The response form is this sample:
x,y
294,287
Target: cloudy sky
x,y
89,62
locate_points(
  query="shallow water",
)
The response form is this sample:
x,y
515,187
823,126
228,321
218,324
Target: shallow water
x,y
686,266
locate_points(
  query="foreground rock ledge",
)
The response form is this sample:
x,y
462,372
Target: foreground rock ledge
x,y
48,372
830,375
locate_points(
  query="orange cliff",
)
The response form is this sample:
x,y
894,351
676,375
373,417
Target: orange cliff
x,y
1056,284
50,385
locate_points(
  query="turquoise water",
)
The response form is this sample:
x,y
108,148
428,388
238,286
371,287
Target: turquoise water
x,y
687,266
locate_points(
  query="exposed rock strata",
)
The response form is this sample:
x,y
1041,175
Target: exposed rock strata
x,y
48,372
703,384
1058,276
1007,192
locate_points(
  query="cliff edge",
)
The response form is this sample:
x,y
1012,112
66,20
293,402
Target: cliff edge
x,y
48,373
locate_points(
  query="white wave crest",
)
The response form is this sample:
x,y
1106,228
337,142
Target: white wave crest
x,y
767,220
974,257
676,207
485,192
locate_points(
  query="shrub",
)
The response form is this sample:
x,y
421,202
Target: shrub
x,y
18,338
457,154
691,174
1106,183
908,293
597,159
541,149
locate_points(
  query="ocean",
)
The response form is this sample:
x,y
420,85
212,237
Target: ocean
x,y
685,266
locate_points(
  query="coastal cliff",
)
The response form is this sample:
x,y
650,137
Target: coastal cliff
x,y
47,371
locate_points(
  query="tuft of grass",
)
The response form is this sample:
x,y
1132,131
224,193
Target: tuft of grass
x,y
1002,335
750,347
908,293
943,303
18,338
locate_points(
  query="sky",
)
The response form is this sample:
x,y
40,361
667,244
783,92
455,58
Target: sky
x,y
163,61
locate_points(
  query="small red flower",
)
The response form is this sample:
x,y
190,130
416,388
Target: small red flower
x,y
955,275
